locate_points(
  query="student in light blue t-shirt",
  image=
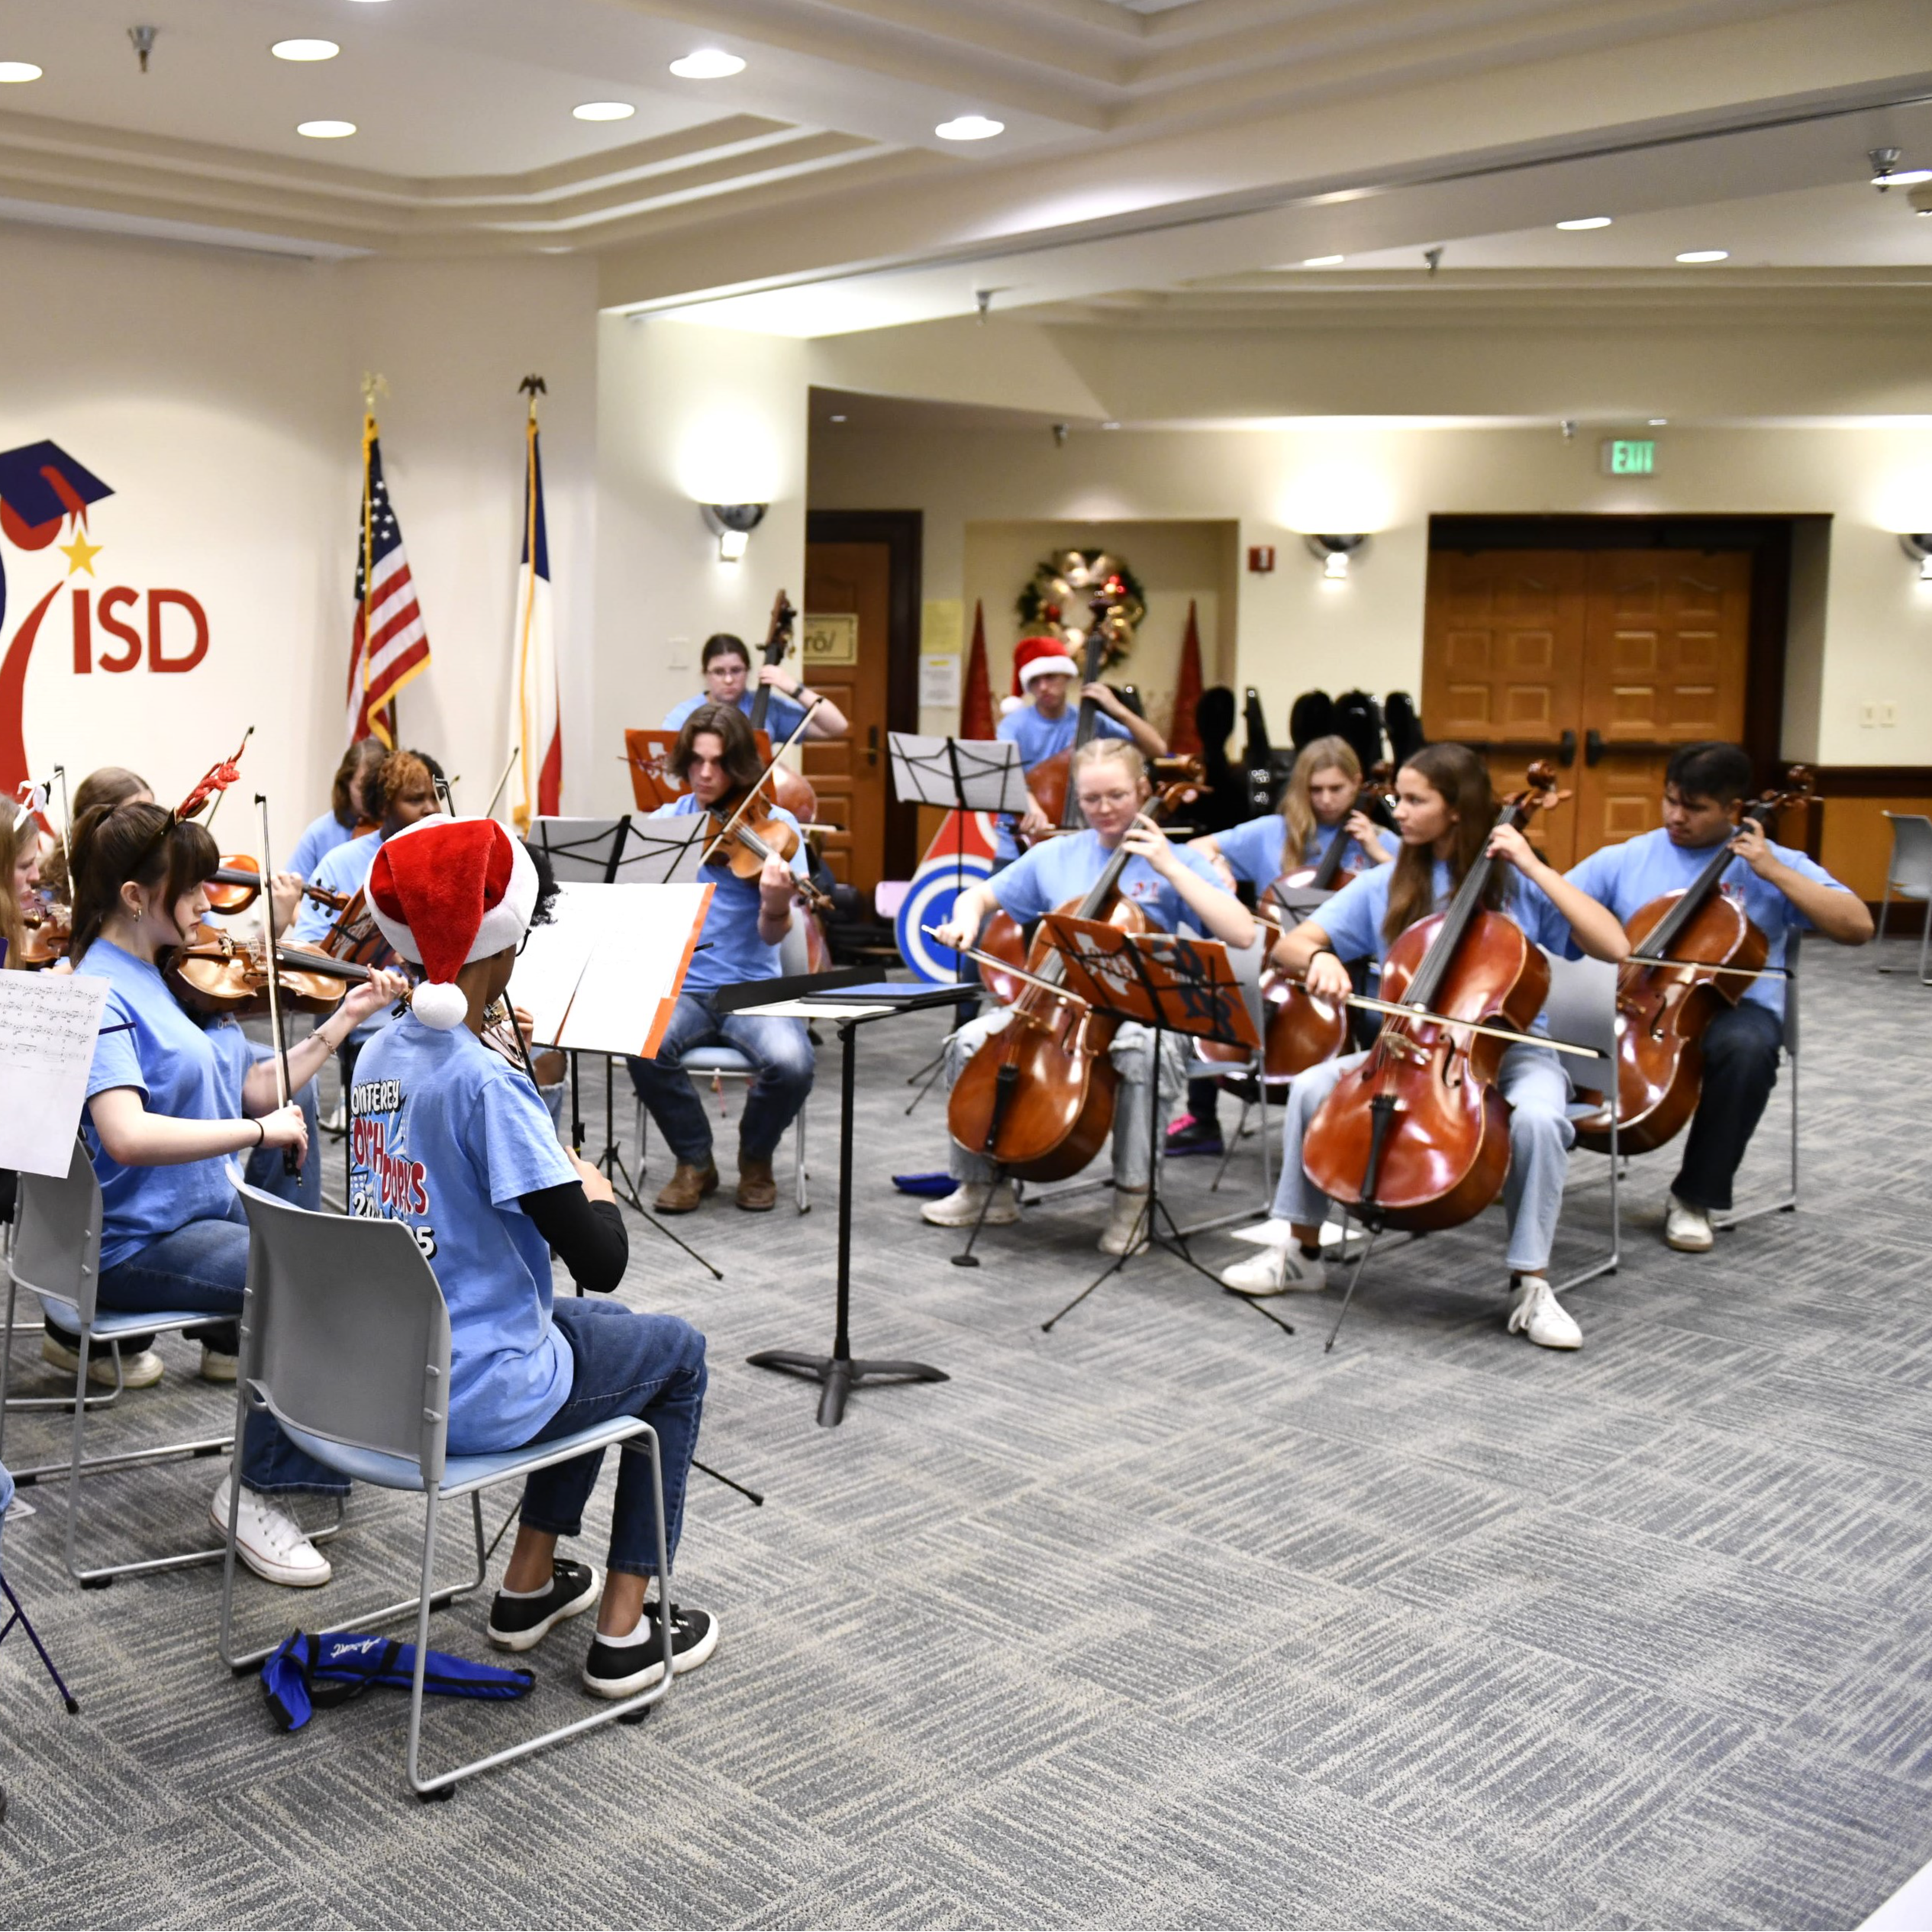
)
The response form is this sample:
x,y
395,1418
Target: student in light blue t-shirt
x,y
1448,820
452,1140
717,757
349,805
1783,892
1177,889
163,1123
1043,718
1318,807
727,666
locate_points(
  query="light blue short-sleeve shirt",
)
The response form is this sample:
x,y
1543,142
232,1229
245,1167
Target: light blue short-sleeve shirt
x,y
447,1137
1254,849
729,950
1050,873
781,715
322,837
1039,738
343,868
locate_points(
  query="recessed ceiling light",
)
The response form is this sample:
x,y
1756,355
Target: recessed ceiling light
x,y
1323,261
969,127
326,130
17,70
1658,422
708,63
305,49
604,110
1905,178
1705,255
1586,222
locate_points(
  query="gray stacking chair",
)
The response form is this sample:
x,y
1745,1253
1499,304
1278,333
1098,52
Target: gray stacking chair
x,y
1582,1008
56,1254
1787,1203
345,1341
1910,876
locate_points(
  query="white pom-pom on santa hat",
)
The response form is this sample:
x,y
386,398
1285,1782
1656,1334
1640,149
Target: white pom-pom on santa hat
x,y
445,892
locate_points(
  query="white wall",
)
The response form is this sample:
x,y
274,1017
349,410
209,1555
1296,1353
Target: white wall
x,y
1873,644
218,394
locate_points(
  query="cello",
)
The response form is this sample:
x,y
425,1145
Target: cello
x,y
1037,1100
1417,1137
789,788
1663,1009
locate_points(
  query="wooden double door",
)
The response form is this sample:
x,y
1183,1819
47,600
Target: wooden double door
x,y
850,586
1602,661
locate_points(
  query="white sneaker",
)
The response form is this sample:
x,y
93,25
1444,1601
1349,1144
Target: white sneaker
x,y
218,1366
961,1207
1126,1231
270,1541
1687,1229
1538,1314
141,1371
1282,1270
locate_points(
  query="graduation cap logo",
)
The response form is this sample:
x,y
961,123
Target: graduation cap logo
x,y
40,484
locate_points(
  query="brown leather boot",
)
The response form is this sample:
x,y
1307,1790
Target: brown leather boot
x,y
757,1191
686,1187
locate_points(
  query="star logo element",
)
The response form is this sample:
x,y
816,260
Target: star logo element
x,y
80,553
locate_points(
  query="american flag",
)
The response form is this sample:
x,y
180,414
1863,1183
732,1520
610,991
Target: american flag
x,y
389,644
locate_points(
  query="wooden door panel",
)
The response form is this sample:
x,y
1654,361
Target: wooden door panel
x,y
849,775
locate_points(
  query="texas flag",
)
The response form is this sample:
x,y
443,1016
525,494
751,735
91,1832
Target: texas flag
x,y
536,783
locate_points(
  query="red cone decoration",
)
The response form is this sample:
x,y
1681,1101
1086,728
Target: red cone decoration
x,y
976,701
1183,735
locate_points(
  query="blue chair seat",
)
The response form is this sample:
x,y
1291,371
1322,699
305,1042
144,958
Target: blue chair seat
x,y
108,1325
714,1059
459,1473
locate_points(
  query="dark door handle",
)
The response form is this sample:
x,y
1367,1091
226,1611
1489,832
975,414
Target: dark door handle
x,y
871,744
1595,751
1563,751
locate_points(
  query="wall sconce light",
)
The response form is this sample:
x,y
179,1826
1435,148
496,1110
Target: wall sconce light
x,y
1918,546
1334,553
733,523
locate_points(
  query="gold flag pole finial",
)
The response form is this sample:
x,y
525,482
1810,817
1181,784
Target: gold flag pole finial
x,y
373,387
533,386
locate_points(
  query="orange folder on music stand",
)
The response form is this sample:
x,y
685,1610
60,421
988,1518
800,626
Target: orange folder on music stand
x,y
1166,980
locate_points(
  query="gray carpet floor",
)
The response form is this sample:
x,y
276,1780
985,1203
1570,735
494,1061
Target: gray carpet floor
x,y
1164,1618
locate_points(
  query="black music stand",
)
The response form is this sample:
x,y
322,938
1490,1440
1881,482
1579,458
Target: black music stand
x,y
1167,983
850,1007
593,852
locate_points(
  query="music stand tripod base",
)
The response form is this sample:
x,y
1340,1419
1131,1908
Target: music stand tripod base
x,y
838,1376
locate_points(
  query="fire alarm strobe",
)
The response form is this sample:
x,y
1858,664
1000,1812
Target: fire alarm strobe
x,y
1261,558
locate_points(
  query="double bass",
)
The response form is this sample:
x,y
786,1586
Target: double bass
x,y
790,789
1662,1010
1037,1099
1417,1137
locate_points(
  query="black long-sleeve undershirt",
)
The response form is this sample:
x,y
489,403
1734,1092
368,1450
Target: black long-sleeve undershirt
x,y
588,1237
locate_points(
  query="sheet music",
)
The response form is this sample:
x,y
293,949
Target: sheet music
x,y
48,1023
603,977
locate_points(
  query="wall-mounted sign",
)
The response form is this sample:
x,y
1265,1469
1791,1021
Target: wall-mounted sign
x,y
1625,456
831,639
1261,558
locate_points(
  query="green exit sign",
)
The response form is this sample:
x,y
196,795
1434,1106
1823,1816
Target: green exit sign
x,y
1630,458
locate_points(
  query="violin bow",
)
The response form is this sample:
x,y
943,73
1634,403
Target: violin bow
x,y
516,752
1387,1006
1013,972
752,791
291,1159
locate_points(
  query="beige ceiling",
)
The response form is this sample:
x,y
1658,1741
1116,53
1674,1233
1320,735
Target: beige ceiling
x,y
1159,158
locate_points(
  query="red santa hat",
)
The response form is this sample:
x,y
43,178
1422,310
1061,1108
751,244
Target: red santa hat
x,y
1036,657
446,891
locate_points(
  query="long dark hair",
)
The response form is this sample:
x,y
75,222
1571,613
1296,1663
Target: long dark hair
x,y
144,843
729,726
362,759
1462,780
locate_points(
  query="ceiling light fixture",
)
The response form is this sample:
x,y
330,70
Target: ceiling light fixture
x,y
326,130
1334,553
734,524
603,111
969,127
19,70
1585,221
1917,545
1658,422
1694,255
305,49
1905,178
1324,261
838,419
708,63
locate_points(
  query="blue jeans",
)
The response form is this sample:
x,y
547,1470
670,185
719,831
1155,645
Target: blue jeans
x,y
6,1494
651,1366
205,1266
779,1053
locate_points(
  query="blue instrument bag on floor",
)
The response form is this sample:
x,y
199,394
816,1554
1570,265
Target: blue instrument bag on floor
x,y
308,1673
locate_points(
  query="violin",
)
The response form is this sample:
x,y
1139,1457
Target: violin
x,y
1662,1010
1037,1099
789,788
1051,781
215,974
233,885
742,840
1417,1136
47,931
353,937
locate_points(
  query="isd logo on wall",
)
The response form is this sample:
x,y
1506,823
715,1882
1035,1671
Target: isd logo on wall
x,y
45,496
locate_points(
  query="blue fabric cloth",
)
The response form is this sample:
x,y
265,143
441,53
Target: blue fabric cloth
x,y
779,1051
1061,868
319,839
446,1135
651,1366
342,868
1626,878
729,948
204,1266
148,1042
1253,850
306,1673
1039,738
781,715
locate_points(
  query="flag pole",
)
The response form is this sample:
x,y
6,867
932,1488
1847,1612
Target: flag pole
x,y
373,387
522,813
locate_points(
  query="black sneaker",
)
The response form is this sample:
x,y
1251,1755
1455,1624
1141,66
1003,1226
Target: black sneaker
x,y
1190,1135
522,1623
622,1670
